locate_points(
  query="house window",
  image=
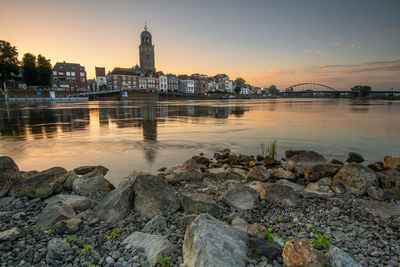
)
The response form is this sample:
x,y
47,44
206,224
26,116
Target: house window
x,y
72,73
82,74
54,72
60,73
68,73
83,79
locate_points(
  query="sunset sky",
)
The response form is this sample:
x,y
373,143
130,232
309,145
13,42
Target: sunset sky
x,y
337,43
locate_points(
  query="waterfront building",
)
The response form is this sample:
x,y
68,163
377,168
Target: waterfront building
x,y
142,82
186,86
122,79
146,51
245,90
152,83
101,79
173,83
163,83
70,76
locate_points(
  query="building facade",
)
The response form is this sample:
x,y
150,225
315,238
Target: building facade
x,y
163,83
146,51
173,83
70,76
122,79
101,79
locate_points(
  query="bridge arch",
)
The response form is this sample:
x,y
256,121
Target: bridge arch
x,y
303,87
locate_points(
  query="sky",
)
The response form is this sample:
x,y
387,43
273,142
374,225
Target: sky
x,y
283,42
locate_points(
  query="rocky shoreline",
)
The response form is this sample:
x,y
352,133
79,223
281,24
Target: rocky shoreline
x,y
228,210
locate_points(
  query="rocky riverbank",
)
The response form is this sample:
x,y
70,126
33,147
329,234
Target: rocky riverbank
x,y
228,210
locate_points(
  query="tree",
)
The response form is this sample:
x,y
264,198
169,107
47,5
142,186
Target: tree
x,y
239,82
8,60
43,71
273,90
362,89
29,71
149,71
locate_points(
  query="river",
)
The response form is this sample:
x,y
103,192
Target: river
x,y
127,136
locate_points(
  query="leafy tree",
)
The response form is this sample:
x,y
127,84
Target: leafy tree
x,y
29,71
44,70
273,90
149,71
362,89
8,60
239,84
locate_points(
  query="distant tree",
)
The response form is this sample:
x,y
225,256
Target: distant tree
x,y
273,90
149,71
362,89
239,83
44,70
29,71
8,60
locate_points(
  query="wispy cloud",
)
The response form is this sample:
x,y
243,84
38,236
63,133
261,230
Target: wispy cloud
x,y
353,45
336,44
307,51
386,31
396,30
319,51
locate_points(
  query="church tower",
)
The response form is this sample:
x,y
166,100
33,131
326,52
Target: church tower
x,y
146,51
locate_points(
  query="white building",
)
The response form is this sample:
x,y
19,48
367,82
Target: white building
x,y
244,90
189,86
101,80
228,86
163,81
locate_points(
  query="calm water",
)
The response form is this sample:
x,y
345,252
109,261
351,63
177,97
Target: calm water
x,y
144,136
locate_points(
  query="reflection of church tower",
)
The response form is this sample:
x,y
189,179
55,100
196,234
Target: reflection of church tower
x,y
146,51
149,123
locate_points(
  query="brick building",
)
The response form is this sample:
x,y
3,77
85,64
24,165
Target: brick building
x,y
69,76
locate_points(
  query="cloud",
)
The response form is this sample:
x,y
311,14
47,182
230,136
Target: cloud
x,y
386,31
307,51
353,45
396,30
319,51
336,44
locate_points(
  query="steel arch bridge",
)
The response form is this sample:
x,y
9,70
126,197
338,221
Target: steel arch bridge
x,y
309,87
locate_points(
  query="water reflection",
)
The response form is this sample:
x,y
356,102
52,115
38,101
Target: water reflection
x,y
146,135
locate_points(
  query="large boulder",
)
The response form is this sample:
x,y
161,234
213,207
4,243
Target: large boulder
x,y
10,234
299,253
152,196
354,157
281,173
296,187
69,226
292,152
116,205
316,172
78,203
279,194
200,203
83,170
356,178
390,181
187,171
258,173
241,198
53,214
41,185
91,182
299,161
392,162
87,169
240,224
321,187
261,247
339,258
152,245
209,242
9,174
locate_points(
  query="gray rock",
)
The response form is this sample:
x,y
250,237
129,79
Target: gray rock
x,y
241,172
356,178
280,173
78,203
241,198
261,247
376,192
390,181
116,205
92,182
315,172
321,188
41,185
257,230
298,162
296,187
152,197
279,194
254,185
200,203
354,157
218,172
381,209
209,242
185,221
57,250
55,213
157,224
240,224
87,169
10,234
187,171
258,173
153,245
339,258
69,226
292,152
9,174
6,201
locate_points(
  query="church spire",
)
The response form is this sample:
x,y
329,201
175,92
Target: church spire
x,y
145,25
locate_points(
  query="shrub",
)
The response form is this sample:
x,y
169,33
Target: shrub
x,y
85,249
164,261
114,234
71,239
